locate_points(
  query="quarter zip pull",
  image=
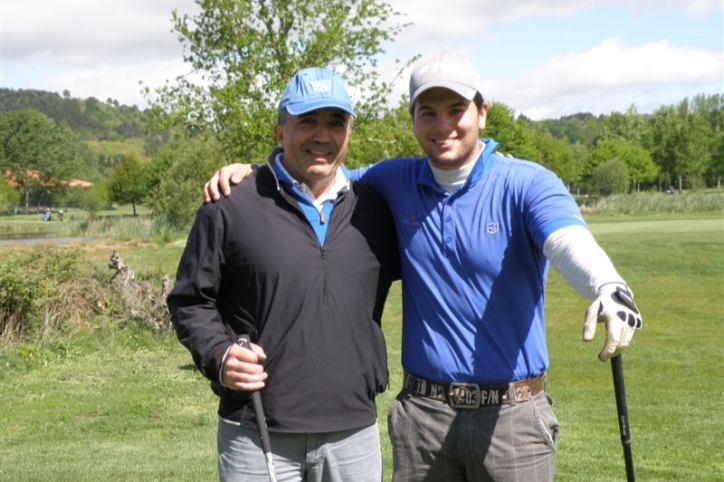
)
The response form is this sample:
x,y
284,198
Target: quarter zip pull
x,y
322,220
325,293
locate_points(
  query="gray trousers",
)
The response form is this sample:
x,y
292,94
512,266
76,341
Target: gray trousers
x,y
433,442
346,456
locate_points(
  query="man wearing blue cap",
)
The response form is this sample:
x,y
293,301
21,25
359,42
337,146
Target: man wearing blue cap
x,y
301,260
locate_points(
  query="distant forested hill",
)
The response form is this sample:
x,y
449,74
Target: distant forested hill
x,y
89,118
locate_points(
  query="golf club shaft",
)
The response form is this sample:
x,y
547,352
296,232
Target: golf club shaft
x,y
260,419
263,434
622,410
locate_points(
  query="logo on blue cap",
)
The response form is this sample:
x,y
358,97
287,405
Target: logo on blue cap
x,y
315,88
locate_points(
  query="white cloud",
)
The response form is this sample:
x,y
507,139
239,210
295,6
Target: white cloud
x,y
82,31
93,48
609,70
116,81
446,22
102,48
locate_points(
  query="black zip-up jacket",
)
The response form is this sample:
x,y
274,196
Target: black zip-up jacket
x,y
254,265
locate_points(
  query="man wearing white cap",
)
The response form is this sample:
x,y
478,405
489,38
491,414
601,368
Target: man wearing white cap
x,y
301,260
478,231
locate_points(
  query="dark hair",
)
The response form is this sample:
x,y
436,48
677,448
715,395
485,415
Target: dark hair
x,y
478,99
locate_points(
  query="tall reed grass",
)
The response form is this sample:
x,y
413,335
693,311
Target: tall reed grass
x,y
646,202
127,227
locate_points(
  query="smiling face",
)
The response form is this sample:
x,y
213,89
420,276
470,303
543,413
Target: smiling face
x,y
315,145
447,127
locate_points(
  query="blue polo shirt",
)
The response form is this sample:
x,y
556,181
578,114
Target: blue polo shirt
x,y
473,269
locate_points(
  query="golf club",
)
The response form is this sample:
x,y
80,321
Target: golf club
x,y
244,342
622,409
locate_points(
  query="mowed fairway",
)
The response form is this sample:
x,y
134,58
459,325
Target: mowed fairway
x,y
673,369
128,406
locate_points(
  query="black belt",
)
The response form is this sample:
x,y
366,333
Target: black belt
x,y
471,395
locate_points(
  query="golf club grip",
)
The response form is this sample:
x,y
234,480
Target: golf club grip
x,y
622,411
261,421
244,342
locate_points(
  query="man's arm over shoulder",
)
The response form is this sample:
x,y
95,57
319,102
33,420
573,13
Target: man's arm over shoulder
x,y
385,177
385,227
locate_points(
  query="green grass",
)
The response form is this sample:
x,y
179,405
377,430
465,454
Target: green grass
x,y
673,368
129,406
124,412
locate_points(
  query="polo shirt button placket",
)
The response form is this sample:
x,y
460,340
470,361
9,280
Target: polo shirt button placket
x,y
448,231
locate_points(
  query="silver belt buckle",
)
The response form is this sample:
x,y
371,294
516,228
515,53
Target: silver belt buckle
x,y
464,395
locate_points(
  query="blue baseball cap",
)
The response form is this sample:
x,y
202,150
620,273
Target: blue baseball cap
x,y
312,89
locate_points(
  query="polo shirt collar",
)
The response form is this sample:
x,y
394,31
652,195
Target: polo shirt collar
x,y
481,166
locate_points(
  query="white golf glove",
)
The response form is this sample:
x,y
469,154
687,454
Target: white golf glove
x,y
616,308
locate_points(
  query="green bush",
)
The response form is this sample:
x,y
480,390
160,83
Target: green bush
x,y
17,301
8,195
177,174
46,291
31,297
611,177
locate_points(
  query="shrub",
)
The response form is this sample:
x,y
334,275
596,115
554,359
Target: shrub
x,y
47,291
38,290
8,195
611,177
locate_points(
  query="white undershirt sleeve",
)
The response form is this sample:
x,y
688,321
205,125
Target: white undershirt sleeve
x,y
576,255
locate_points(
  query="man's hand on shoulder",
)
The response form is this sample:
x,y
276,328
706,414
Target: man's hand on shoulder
x,y
222,180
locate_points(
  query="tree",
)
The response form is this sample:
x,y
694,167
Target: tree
x,y
8,195
716,167
557,155
245,51
93,198
696,148
611,177
127,183
36,152
639,166
662,142
382,137
711,108
513,135
629,127
685,140
176,174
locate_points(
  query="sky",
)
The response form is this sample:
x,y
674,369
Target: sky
x,y
542,58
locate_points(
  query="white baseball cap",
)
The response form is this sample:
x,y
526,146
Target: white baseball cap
x,y
444,69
